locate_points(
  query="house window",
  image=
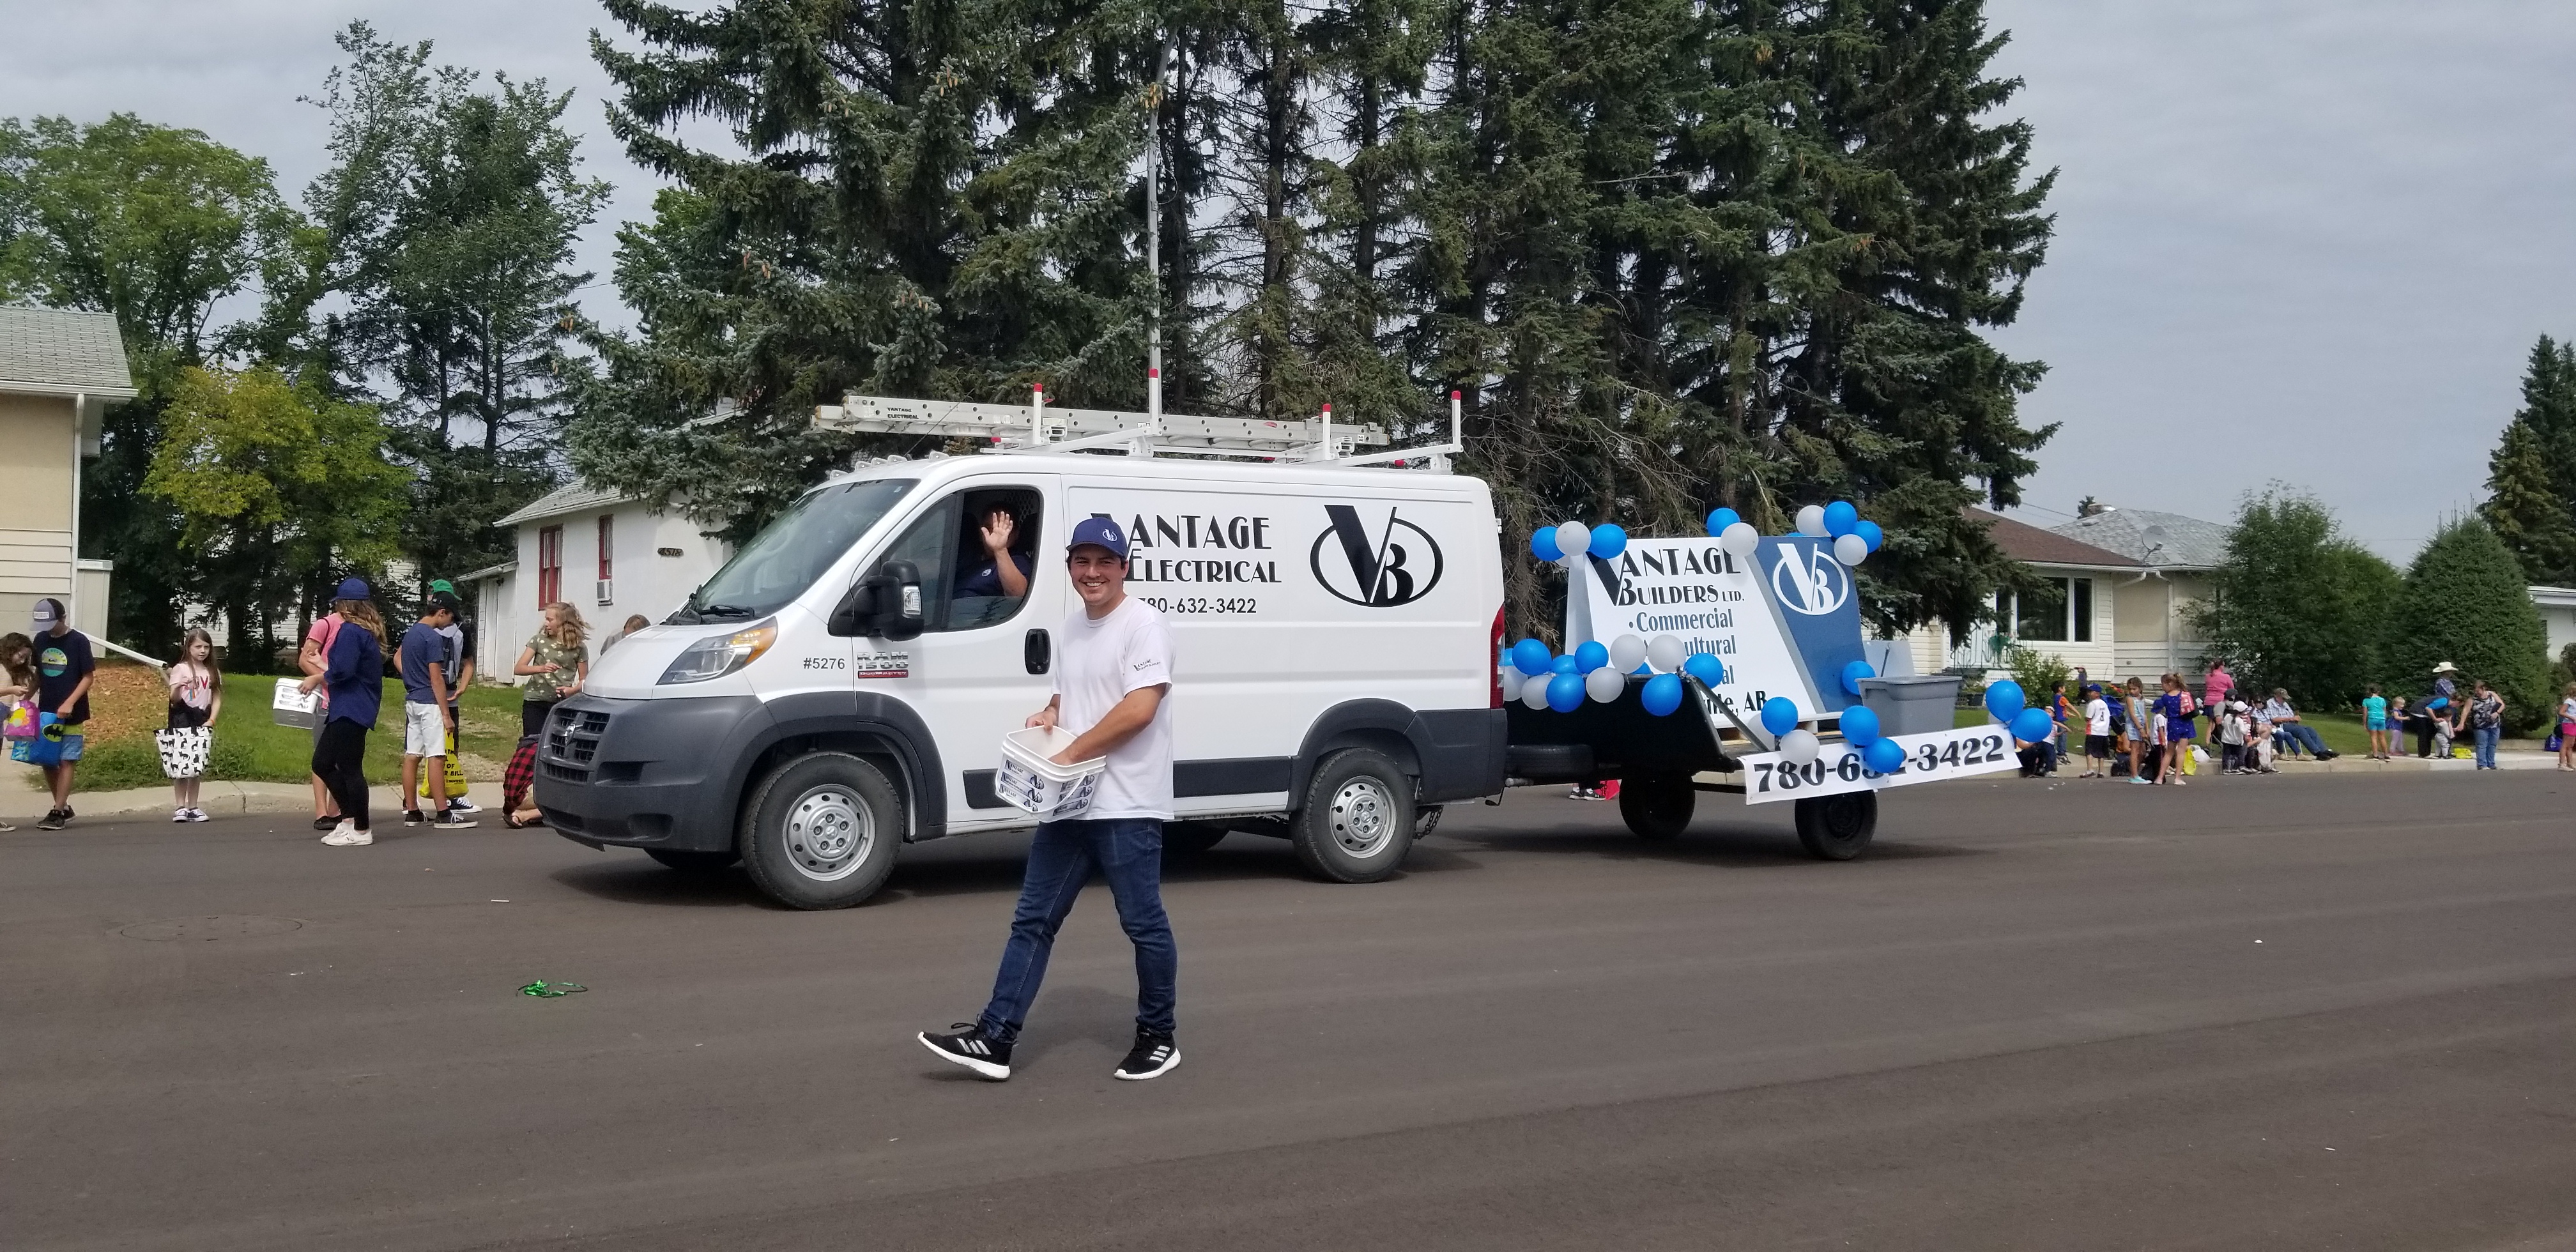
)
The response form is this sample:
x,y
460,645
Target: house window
x,y
2059,611
549,565
607,549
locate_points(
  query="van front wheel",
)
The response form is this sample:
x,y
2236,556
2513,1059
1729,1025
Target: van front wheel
x,y
820,831
1357,820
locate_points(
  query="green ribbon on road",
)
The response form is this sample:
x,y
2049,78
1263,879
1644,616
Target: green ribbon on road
x,y
551,988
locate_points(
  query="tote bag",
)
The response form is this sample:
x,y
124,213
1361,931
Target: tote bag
x,y
184,752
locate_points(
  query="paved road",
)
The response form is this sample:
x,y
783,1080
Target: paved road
x,y
2284,1013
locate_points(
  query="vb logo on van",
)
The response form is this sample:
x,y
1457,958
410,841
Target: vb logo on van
x,y
1378,568
1812,583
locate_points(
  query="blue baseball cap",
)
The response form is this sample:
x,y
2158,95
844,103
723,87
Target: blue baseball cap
x,y
1098,532
351,589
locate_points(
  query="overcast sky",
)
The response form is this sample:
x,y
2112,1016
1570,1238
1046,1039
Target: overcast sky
x,y
2308,240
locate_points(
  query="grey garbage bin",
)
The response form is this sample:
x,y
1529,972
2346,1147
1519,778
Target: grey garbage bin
x,y
1911,706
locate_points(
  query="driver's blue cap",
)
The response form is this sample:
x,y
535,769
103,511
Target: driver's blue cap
x,y
1099,532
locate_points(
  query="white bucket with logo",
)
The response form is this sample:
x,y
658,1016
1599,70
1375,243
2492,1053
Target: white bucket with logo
x,y
1030,780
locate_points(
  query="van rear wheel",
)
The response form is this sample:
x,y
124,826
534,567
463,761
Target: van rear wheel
x,y
1357,820
820,831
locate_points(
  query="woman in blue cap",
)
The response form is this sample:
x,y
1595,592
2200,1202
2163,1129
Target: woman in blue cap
x,y
354,673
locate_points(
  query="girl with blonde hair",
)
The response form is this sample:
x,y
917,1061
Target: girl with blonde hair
x,y
353,672
556,662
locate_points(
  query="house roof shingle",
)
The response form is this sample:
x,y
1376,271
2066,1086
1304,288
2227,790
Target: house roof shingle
x,y
572,497
61,352
2032,545
2152,539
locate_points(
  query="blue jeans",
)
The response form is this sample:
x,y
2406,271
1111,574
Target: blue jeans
x,y
2299,733
2487,745
1129,853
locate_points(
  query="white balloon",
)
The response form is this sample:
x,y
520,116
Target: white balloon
x,y
1740,540
1851,549
1604,684
1534,692
1572,538
1666,653
1811,520
1627,652
1800,746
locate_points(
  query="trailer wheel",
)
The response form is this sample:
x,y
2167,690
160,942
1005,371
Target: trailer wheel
x,y
1357,821
1182,840
1838,828
693,862
1657,806
820,831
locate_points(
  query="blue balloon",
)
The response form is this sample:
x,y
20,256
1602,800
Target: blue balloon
x,y
1608,541
1883,757
2029,725
1779,715
1840,518
2003,699
1529,656
1719,520
1860,725
1565,692
1565,665
1854,672
1663,694
1543,544
1590,655
1707,669
1870,534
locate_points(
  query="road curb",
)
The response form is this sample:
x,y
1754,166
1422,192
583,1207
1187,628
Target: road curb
x,y
218,799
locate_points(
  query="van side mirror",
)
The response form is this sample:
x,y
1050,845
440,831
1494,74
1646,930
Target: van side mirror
x,y
886,604
898,605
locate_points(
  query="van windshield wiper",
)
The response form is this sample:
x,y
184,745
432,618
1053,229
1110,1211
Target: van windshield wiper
x,y
723,610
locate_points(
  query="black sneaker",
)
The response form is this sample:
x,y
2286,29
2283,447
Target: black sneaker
x,y
972,1048
55,819
413,817
1153,1056
450,819
326,823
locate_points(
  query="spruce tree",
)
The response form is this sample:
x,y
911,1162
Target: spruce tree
x,y
2526,511
931,199
2464,601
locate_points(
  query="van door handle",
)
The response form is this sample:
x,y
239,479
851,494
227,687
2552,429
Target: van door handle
x,y
1034,651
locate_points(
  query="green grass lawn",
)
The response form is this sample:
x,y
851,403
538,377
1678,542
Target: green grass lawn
x,y
251,748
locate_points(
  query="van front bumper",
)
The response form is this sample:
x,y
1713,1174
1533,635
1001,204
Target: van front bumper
x,y
645,773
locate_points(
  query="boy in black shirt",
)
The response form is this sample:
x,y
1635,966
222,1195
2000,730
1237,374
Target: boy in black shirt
x,y
64,668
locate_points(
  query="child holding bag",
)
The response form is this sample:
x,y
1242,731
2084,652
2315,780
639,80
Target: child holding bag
x,y
17,686
196,699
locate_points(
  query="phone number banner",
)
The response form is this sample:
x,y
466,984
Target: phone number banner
x,y
1929,757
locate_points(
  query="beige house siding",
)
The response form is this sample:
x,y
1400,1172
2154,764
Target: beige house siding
x,y
37,461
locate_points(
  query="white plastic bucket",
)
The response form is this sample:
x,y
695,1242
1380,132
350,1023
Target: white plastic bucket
x,y
1029,780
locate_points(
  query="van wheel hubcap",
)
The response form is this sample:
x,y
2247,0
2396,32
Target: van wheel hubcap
x,y
828,833
1363,816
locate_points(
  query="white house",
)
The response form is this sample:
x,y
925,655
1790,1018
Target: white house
x,y
2557,607
59,371
2121,584
606,554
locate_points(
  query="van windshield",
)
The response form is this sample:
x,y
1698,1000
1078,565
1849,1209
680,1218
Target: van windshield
x,y
792,551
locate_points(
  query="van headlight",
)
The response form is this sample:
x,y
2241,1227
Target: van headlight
x,y
718,655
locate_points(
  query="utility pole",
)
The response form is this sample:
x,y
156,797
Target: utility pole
x,y
1154,238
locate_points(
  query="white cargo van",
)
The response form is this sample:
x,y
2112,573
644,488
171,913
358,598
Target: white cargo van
x,y
834,693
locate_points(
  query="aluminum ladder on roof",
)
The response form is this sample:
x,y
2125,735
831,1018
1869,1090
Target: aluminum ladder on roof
x,y
1039,428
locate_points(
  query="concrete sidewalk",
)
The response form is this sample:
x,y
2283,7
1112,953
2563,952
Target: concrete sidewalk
x,y
23,802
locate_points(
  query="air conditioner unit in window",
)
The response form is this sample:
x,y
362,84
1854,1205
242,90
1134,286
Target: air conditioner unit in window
x,y
607,591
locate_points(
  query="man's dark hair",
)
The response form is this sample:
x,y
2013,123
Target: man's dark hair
x,y
441,602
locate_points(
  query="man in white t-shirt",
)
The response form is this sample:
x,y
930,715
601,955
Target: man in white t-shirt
x,y
1113,677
